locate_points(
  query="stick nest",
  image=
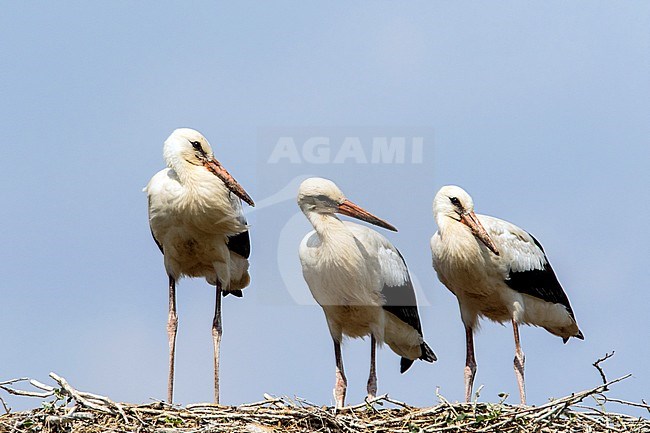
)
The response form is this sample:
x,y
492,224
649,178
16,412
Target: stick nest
x,y
75,411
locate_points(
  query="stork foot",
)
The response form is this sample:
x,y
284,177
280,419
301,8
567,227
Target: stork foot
x,y
519,362
172,327
470,373
372,389
340,389
341,382
470,364
372,377
217,332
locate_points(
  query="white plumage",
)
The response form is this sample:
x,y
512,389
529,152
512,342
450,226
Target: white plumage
x,y
194,224
360,280
497,271
196,218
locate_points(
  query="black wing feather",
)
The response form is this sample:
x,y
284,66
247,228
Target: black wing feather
x,y
402,306
240,244
540,283
427,355
401,302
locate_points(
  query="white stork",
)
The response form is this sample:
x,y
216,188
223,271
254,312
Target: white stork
x,y
359,279
497,271
200,228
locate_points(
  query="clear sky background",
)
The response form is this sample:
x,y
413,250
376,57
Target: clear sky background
x,y
540,110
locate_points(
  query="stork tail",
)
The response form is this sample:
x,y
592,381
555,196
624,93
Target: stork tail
x,y
427,355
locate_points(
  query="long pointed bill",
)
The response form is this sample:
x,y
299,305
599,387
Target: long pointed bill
x,y
350,209
217,169
471,221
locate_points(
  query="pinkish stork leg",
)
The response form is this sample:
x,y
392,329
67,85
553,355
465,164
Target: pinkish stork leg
x,y
372,378
470,364
172,326
520,360
341,381
216,339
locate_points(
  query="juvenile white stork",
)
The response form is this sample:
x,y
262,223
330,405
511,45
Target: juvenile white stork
x,y
497,271
359,279
200,228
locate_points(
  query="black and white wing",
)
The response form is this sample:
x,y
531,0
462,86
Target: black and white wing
x,y
399,296
240,249
240,243
527,269
397,287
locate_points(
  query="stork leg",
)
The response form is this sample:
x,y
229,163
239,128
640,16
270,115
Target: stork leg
x,y
216,339
341,381
470,364
372,378
520,360
172,326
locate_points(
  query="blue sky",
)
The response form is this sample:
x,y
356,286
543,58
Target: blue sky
x,y
540,110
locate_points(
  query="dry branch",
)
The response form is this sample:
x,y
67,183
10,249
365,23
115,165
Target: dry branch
x,y
599,368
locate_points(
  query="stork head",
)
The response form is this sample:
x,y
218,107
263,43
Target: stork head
x,y
322,196
187,147
452,202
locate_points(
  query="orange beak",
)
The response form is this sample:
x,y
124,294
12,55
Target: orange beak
x,y
471,221
350,209
217,169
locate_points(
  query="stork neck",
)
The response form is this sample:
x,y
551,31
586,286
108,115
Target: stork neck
x,y
175,160
459,241
187,174
448,226
443,222
328,226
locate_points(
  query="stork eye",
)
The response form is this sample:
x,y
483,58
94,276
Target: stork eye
x,y
455,201
196,145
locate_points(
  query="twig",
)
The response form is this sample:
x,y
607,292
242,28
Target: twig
x,y
445,401
599,368
397,402
100,403
576,397
477,394
643,405
12,381
4,386
247,405
366,403
4,405
27,393
41,386
303,402
171,405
